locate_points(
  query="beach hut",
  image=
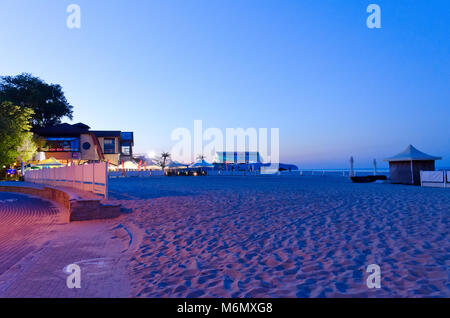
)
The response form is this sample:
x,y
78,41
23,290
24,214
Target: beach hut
x,y
405,167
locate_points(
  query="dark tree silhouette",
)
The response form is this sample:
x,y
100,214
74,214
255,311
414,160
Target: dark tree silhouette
x,y
46,100
163,160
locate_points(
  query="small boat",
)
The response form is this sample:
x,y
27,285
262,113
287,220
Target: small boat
x,y
367,179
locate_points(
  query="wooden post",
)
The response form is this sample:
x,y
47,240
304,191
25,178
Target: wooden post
x,y
93,177
106,181
351,174
445,178
82,177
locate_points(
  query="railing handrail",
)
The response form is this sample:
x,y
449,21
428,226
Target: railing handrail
x,y
91,177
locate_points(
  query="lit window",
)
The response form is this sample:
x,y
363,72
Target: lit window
x,y
62,144
109,145
126,148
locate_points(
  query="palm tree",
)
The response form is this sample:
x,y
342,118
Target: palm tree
x,y
164,157
201,157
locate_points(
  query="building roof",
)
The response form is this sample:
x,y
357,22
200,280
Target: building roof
x,y
81,125
127,135
75,130
106,133
411,154
63,130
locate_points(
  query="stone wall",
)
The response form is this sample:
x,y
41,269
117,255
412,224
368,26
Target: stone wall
x,y
79,209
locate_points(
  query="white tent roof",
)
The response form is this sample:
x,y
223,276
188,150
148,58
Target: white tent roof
x,y
411,154
176,164
201,164
130,165
154,167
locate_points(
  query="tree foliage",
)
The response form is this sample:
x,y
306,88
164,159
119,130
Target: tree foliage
x,y
162,162
46,100
15,136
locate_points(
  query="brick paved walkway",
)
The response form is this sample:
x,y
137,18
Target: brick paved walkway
x,y
36,244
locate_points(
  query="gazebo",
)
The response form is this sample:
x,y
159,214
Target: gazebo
x,y
201,163
405,167
176,165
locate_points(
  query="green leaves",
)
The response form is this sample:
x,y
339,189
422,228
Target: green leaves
x,y
46,100
15,136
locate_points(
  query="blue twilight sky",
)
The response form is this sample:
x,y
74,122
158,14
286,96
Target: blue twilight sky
x,y
311,68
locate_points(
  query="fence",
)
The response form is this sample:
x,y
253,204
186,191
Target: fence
x,y
313,172
342,172
92,177
440,179
134,173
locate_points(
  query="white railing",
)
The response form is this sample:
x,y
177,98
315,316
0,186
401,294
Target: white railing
x,y
342,172
440,179
91,177
134,173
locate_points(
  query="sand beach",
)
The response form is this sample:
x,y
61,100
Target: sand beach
x,y
272,236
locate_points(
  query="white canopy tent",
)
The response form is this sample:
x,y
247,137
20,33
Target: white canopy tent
x,y
201,163
176,165
413,160
154,167
129,165
411,153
